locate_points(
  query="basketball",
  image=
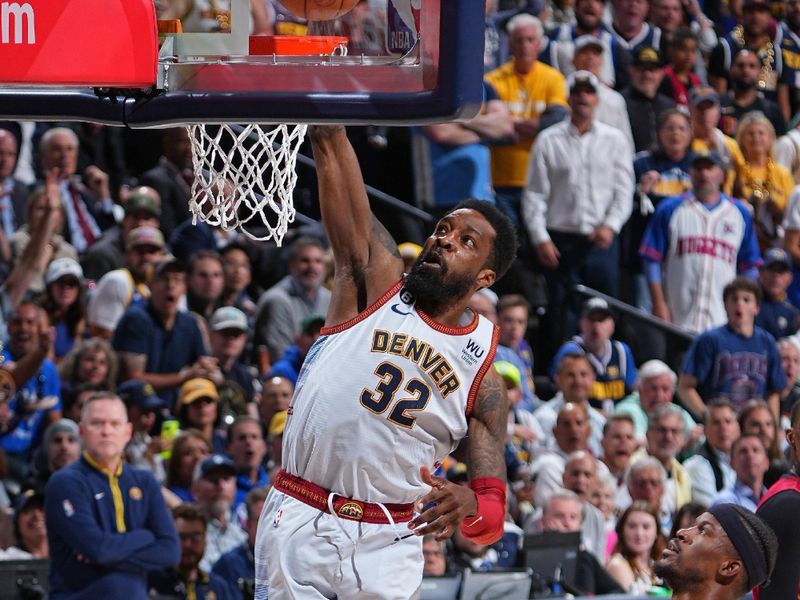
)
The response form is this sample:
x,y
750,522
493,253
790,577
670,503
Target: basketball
x,y
319,10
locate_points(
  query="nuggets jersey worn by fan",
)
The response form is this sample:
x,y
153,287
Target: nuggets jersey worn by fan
x,y
382,394
701,249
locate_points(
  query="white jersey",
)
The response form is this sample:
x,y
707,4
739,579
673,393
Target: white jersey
x,y
383,394
701,250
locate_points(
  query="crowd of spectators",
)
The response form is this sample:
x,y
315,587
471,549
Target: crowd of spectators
x,y
646,149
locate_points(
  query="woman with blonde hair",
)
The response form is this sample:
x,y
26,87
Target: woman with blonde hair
x,y
639,543
761,182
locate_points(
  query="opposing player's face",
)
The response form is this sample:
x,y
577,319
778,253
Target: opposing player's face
x,y
742,308
695,554
452,264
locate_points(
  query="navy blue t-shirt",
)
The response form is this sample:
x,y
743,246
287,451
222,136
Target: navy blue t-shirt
x,y
140,331
727,364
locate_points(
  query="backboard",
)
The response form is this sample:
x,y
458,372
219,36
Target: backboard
x,y
403,62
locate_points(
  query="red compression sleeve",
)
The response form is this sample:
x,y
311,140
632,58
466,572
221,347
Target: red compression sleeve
x,y
486,525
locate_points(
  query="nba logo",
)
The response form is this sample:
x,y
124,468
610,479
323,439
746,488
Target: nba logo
x,y
402,26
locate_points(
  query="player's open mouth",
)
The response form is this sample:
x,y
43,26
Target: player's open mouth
x,y
432,259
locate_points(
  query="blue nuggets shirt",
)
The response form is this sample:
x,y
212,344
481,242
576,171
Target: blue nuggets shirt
x,y
730,365
106,531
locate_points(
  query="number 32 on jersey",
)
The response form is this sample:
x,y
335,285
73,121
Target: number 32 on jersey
x,y
391,378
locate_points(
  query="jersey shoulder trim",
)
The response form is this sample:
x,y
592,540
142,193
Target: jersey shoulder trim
x,y
476,384
364,313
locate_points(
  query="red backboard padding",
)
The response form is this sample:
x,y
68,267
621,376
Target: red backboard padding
x,y
98,43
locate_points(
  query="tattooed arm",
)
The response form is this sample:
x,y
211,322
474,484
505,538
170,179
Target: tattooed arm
x,y
365,255
452,503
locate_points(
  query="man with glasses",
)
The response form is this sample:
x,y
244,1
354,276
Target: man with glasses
x,y
646,480
187,580
107,523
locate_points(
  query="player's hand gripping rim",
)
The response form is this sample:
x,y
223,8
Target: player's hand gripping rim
x,y
443,508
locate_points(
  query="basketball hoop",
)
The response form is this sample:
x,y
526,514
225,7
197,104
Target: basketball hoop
x,y
244,174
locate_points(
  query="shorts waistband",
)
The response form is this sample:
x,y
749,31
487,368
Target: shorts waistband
x,y
346,508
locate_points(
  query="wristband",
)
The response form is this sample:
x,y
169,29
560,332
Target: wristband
x,y
486,525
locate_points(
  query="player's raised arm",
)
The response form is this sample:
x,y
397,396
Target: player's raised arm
x,y
366,257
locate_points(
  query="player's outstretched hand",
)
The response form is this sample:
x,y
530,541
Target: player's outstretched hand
x,y
447,505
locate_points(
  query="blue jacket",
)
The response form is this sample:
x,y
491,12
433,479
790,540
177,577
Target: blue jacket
x,y
106,531
238,569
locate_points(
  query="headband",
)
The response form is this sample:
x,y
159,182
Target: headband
x,y
749,550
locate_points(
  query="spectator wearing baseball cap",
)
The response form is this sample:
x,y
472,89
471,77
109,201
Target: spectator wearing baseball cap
x,y
578,196
754,32
159,343
643,99
611,360
142,209
198,408
776,314
143,407
60,447
126,286
214,489
64,301
29,527
288,365
227,334
611,109
704,109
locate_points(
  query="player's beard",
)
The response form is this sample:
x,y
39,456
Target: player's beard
x,y
679,579
433,287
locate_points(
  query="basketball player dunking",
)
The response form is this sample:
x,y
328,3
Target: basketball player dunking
x,y
399,376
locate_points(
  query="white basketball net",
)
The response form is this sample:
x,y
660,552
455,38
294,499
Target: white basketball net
x,y
244,177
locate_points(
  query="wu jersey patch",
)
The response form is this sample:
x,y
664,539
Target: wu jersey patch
x,y
472,352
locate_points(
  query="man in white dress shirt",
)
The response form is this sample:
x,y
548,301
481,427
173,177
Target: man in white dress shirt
x,y
578,195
